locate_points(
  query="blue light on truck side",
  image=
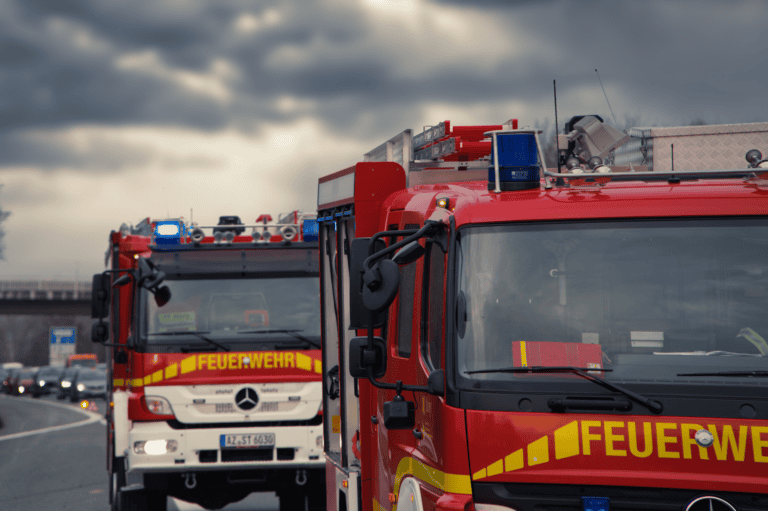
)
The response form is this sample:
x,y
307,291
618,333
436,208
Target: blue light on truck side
x,y
309,230
168,233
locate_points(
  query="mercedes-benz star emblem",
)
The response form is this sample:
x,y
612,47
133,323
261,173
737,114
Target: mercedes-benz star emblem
x,y
709,503
246,398
704,438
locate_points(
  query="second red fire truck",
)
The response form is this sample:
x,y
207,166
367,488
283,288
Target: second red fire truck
x,y
215,362
499,336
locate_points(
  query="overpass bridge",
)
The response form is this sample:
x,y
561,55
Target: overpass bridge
x,y
45,298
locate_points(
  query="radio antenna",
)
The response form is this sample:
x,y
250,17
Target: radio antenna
x,y
606,99
557,137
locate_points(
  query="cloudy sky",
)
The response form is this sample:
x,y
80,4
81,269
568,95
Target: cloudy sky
x,y
116,110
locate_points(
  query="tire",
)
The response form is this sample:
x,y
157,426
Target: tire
x,y
116,481
140,500
73,397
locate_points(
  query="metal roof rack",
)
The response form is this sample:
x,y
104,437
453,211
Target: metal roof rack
x,y
669,176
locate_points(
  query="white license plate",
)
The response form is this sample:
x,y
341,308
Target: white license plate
x,y
251,440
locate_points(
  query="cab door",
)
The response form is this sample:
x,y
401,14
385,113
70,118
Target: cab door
x,y
341,401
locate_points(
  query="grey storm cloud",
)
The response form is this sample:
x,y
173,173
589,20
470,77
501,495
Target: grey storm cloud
x,y
125,62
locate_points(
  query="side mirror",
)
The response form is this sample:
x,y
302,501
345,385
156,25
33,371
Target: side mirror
x,y
100,296
162,296
359,316
380,285
410,253
359,362
399,413
436,382
100,332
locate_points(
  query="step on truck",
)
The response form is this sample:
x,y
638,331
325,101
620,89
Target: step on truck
x,y
215,369
503,336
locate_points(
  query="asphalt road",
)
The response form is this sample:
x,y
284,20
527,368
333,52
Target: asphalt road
x,y
53,456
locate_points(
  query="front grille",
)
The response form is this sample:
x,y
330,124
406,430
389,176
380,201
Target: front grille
x,y
228,455
316,421
551,497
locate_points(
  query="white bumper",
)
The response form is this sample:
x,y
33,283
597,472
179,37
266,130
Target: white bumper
x,y
196,447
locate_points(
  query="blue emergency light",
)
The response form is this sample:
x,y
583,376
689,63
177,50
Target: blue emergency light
x,y
595,503
517,153
309,230
168,232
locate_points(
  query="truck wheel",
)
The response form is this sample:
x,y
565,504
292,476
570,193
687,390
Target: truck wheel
x,y
117,481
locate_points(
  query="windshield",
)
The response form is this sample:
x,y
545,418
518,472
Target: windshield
x,y
651,300
234,311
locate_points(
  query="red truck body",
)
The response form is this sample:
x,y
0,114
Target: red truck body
x,y
634,298
216,378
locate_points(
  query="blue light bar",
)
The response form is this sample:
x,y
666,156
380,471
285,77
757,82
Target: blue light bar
x,y
168,232
595,503
515,156
309,230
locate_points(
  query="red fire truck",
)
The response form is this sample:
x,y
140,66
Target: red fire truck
x,y
215,362
500,336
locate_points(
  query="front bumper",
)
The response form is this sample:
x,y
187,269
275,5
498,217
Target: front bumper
x,y
199,450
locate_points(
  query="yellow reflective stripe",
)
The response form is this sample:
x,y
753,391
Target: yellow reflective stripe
x,y
318,367
171,371
157,376
188,365
303,362
118,382
148,379
523,355
450,483
137,382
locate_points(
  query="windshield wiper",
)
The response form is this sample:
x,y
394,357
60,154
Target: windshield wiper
x,y
653,406
729,373
292,333
196,333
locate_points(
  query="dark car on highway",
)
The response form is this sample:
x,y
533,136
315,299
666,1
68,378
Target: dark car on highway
x,y
23,381
8,380
89,383
65,383
47,380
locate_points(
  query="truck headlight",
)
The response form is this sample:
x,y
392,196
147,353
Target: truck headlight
x,y
66,384
41,383
80,387
155,447
158,405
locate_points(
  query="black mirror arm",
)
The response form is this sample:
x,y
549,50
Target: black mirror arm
x,y
413,235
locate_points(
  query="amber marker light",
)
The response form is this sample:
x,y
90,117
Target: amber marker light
x,y
443,202
84,404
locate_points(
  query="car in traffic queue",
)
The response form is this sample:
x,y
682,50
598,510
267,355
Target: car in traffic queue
x,y
47,380
66,382
88,383
24,381
8,379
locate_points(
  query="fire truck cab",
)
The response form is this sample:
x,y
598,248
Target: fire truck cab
x,y
215,362
502,336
